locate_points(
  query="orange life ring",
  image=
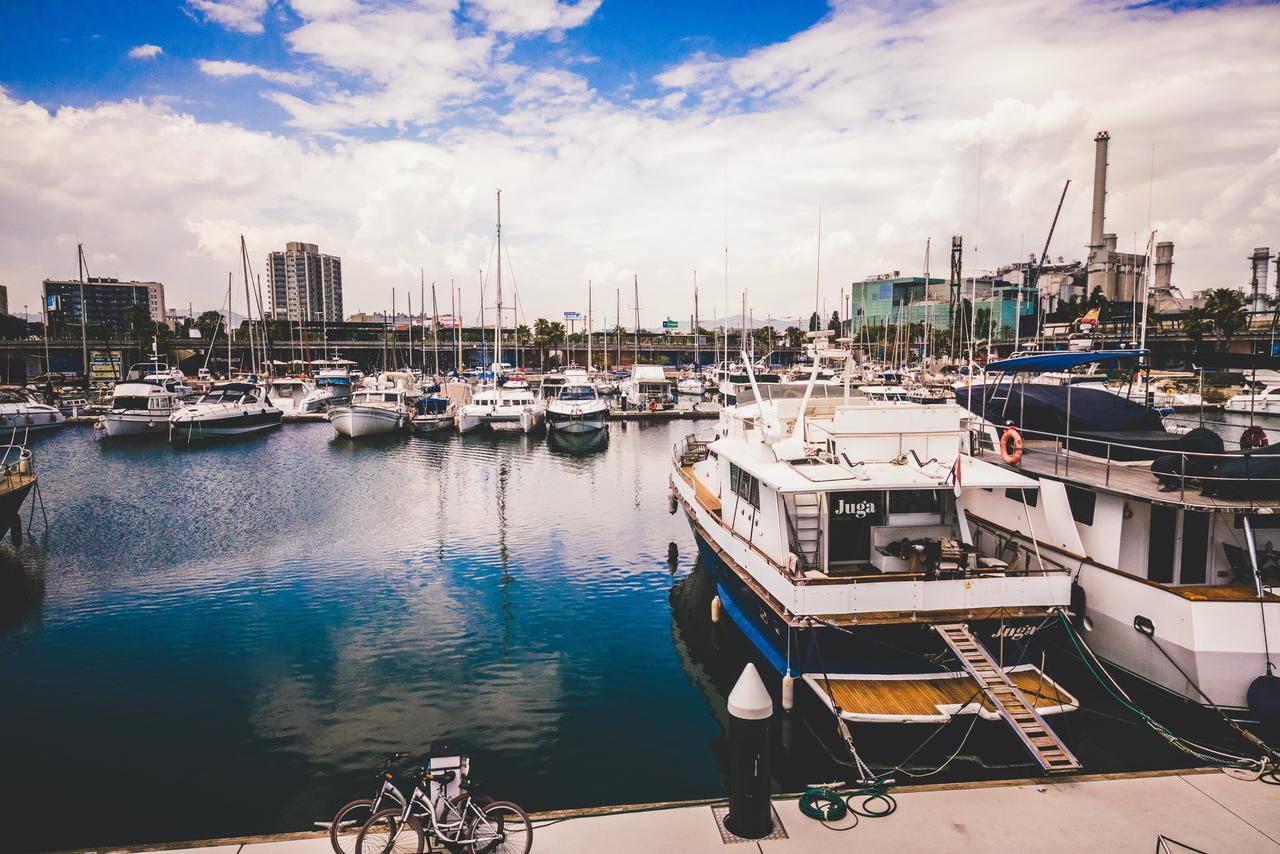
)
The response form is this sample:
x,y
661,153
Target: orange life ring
x,y
1254,437
653,406
1011,446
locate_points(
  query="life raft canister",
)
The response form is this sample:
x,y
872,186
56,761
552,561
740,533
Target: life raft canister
x,y
1011,446
653,406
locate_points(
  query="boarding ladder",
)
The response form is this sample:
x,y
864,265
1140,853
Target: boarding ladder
x,y
808,526
1009,701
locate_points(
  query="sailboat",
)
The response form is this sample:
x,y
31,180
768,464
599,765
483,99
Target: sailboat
x,y
499,407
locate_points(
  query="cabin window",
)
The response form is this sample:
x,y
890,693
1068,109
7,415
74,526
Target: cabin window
x,y
1082,502
1160,544
745,485
915,501
1195,546
1030,496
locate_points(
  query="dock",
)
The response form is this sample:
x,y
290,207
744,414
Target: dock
x,y
1204,810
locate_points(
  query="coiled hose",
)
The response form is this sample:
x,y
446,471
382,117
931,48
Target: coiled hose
x,y
831,803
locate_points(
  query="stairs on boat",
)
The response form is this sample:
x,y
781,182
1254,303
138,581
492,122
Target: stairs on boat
x,y
1044,744
808,531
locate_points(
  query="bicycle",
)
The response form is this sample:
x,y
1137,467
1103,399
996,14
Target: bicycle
x,y
356,814
500,827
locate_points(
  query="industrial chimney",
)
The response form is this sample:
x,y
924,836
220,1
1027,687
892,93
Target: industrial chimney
x,y
1258,279
1164,266
1097,240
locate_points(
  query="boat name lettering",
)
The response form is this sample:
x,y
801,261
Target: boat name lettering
x,y
860,509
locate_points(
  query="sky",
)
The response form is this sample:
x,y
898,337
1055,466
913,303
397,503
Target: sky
x,y
818,143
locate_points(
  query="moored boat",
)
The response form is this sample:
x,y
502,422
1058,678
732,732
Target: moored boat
x,y
577,408
226,410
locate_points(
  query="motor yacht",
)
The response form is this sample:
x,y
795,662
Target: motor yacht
x,y
383,405
226,410
502,409
142,403
437,411
1261,395
1172,541
577,408
290,393
21,413
332,385
837,531
691,384
648,388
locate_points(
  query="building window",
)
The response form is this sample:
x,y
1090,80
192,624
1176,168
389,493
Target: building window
x,y
1082,503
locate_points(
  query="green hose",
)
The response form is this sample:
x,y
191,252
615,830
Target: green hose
x,y
823,803
828,804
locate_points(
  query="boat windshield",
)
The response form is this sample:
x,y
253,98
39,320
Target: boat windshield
x,y
577,392
222,395
130,402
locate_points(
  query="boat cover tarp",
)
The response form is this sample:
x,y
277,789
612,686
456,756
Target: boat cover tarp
x,y
1044,408
1058,360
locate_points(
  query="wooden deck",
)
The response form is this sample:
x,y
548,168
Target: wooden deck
x,y
928,698
706,497
1236,592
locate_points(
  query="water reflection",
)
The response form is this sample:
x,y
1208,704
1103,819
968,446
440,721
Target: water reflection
x,y
578,444
22,584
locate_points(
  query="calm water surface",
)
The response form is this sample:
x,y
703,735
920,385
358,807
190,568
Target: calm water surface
x,y
224,640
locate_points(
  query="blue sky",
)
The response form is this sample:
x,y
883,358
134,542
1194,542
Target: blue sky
x,y
630,139
62,52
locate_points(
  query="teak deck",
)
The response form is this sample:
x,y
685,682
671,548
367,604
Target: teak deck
x,y
923,697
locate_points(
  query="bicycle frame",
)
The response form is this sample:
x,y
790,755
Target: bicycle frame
x,y
429,807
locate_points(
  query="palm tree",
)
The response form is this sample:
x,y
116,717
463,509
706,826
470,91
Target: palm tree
x,y
1225,307
1195,323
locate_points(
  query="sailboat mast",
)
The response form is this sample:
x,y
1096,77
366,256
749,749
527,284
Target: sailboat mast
x,y
84,320
497,321
228,324
248,307
590,364
422,313
697,361
636,283
435,330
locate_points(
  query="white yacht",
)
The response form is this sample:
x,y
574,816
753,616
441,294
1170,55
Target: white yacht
x,y
577,408
1261,395
502,409
21,412
332,385
838,533
648,388
227,409
691,384
290,393
142,403
1173,550
384,405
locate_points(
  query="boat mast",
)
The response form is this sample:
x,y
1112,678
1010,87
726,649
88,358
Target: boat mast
x,y
84,320
248,307
697,361
422,313
636,283
435,330
228,324
589,362
409,296
617,321
497,321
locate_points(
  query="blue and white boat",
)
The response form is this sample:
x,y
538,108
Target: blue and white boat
x,y
836,529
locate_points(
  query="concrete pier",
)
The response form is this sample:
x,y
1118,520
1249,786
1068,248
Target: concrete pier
x,y
1206,810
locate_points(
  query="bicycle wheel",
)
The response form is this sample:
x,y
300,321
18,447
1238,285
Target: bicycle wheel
x,y
346,825
501,828
384,833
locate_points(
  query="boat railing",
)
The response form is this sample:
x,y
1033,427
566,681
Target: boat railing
x,y
17,464
1063,455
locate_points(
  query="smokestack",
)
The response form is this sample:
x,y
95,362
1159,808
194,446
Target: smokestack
x,y
1164,266
1258,280
1109,242
1099,189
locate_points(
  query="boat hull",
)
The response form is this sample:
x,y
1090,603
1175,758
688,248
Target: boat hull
x,y
125,424
577,421
189,431
433,423
357,421
31,422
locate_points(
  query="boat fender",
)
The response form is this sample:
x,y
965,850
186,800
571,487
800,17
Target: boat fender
x,y
788,692
716,609
672,502
97,425
1254,437
1011,446
1263,697
1078,599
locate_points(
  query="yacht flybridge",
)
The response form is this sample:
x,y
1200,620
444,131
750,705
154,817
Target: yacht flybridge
x,y
838,533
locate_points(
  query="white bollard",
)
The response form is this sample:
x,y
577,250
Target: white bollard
x,y
750,709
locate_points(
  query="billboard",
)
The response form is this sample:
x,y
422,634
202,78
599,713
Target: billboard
x,y
448,321
104,365
573,315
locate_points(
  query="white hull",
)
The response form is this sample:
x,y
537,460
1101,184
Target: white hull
x,y
579,426
116,424
358,421
501,419
30,421
433,423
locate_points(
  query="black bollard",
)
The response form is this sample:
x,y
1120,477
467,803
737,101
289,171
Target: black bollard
x,y
750,709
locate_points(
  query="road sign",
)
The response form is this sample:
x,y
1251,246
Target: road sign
x,y
670,324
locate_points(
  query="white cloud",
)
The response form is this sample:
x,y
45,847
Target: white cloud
x,y
232,68
534,16
242,15
146,51
879,120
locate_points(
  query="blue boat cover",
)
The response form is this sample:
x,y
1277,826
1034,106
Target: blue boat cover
x,y
1058,360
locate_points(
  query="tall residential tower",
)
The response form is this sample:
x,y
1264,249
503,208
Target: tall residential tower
x,y
304,285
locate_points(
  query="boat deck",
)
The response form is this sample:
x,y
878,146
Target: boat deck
x,y
1044,457
1236,592
706,497
934,698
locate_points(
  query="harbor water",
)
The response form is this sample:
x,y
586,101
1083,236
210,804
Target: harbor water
x,y
226,640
